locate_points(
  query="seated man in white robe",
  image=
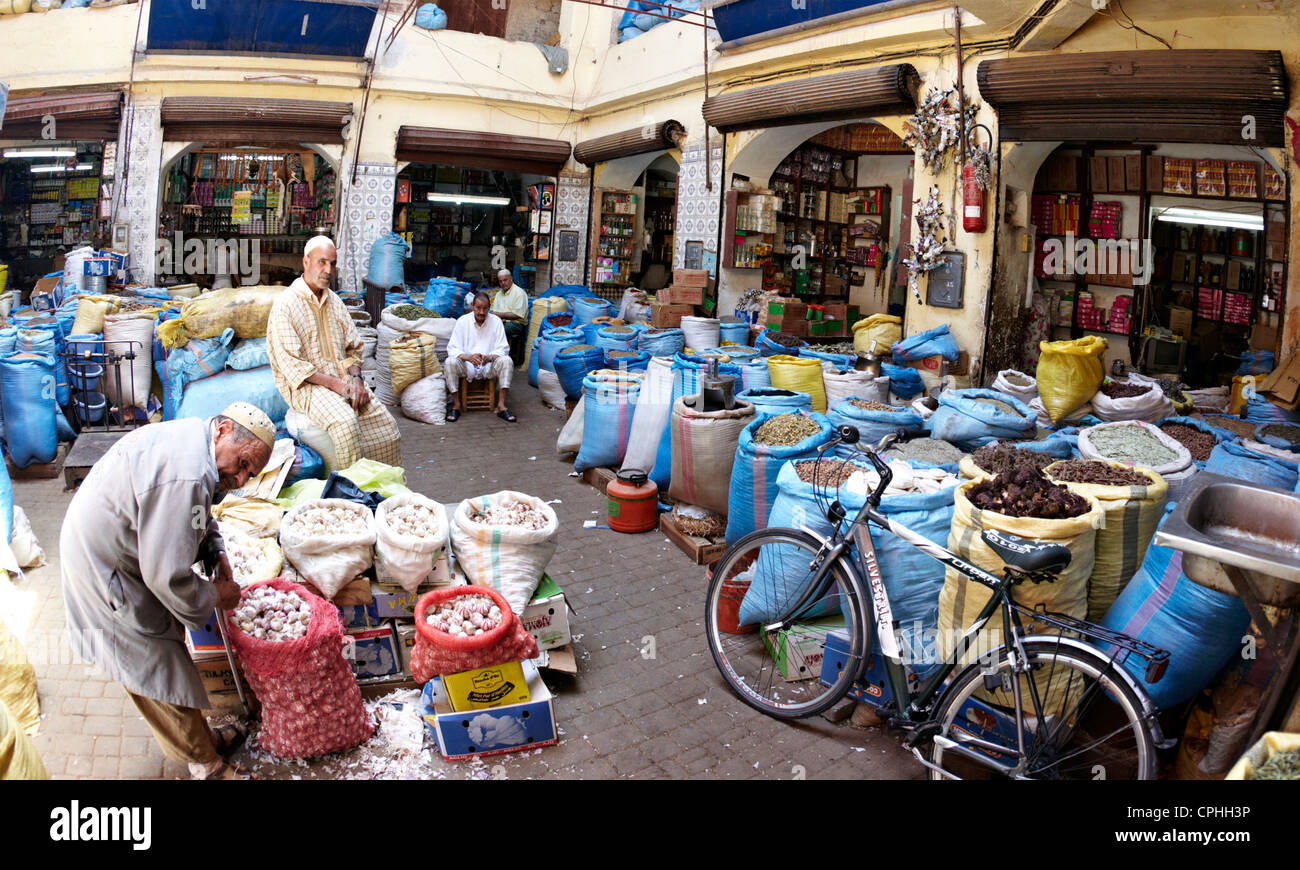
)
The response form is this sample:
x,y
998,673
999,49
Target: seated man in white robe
x,y
478,350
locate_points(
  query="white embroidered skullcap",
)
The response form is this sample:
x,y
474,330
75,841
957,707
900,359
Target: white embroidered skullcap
x,y
253,419
315,242
505,272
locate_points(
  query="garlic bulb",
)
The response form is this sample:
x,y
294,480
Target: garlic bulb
x,y
273,614
516,514
464,615
334,520
414,520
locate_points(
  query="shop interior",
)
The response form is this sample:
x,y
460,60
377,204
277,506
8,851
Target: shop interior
x,y
839,196
634,232
453,216
277,196
54,196
1187,250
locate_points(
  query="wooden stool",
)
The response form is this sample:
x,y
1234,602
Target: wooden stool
x,y
478,395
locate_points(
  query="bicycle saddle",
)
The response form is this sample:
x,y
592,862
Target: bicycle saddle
x,y
1027,556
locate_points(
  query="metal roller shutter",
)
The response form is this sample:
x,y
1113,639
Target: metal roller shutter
x,y
479,150
76,116
232,120
642,140
854,93
1156,96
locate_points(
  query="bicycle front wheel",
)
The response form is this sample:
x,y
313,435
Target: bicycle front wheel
x,y
767,645
1081,720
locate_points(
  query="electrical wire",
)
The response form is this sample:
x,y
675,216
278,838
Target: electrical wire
x,y
1132,25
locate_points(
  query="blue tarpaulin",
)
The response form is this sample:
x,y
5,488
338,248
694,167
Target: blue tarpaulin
x,y
338,28
742,18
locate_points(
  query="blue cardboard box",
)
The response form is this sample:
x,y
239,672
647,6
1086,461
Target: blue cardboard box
x,y
360,615
206,639
512,728
373,652
872,686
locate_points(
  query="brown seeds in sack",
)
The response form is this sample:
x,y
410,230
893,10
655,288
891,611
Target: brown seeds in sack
x,y
1026,492
786,429
1092,471
1002,457
1117,390
1198,443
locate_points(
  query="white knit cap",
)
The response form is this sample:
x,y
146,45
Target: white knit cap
x,y
315,242
253,419
504,272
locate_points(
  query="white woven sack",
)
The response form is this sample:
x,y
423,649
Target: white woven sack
x,y
1045,421
1025,394
1088,451
329,560
404,559
136,375
852,385
570,440
1148,407
509,559
304,431
654,405
548,384
701,333
425,401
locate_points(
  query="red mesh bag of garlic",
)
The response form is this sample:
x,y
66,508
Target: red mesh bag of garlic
x,y
291,645
463,628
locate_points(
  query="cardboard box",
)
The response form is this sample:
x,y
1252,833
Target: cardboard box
x,y
1180,321
1282,386
798,650
486,688
836,310
691,277
359,616
512,728
1276,231
219,682
439,574
678,294
1097,176
1232,281
547,616
665,315
206,639
393,605
405,641
372,652
355,592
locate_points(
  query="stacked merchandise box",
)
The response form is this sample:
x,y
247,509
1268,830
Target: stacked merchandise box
x,y
1236,308
1119,320
1180,175
1209,301
1106,219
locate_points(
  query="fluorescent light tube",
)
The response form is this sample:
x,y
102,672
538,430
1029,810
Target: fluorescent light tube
x,y
56,167
1209,217
468,199
41,152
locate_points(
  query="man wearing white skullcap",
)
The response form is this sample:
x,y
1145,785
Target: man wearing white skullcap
x,y
315,354
510,303
133,531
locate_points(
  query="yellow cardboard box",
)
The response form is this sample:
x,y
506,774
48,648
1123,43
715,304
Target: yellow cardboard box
x,y
484,688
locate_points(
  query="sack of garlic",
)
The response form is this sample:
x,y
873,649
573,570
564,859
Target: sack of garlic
x,y
504,541
410,538
252,559
329,541
290,643
464,628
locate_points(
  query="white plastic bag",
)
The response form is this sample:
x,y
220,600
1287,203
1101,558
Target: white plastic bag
x,y
654,405
1148,407
330,560
405,559
1088,451
548,384
425,401
27,550
1005,383
570,440
509,559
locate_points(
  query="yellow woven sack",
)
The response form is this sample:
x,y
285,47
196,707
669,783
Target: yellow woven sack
x,y
252,517
91,311
244,309
1069,374
877,333
542,308
1132,514
18,682
801,375
412,357
1272,743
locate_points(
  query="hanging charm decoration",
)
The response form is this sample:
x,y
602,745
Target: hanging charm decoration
x,y
934,129
926,253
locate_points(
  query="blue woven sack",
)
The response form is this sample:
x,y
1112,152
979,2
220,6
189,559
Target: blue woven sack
x,y
753,473
573,364
27,392
932,342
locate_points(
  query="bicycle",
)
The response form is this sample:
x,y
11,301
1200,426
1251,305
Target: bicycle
x,y
1001,714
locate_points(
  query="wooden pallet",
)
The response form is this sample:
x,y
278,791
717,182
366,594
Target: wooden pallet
x,y
86,451
704,551
39,470
600,478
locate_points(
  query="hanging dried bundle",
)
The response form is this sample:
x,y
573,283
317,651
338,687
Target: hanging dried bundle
x,y
926,253
935,128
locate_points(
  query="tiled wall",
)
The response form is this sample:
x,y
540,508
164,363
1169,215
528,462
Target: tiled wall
x,y
697,206
145,174
571,193
367,215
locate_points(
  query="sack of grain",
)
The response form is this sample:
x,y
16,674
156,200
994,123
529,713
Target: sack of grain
x,y
703,449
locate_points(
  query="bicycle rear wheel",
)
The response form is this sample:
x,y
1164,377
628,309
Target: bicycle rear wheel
x,y
1082,720
752,593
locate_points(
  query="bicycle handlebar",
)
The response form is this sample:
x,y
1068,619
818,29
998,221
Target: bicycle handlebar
x,y
850,435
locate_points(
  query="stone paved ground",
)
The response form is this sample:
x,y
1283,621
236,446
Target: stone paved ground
x,y
622,716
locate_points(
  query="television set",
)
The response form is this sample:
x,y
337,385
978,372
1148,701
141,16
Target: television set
x,y
1164,356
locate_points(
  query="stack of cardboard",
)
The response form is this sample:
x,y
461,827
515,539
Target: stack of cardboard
x,y
689,287
788,315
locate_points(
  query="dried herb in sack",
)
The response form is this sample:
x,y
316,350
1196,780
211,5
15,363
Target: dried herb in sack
x,y
1026,492
786,429
1001,458
1092,471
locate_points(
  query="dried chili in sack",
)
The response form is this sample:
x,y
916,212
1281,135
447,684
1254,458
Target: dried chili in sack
x,y
437,652
311,704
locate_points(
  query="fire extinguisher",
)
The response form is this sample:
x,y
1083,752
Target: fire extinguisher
x,y
972,193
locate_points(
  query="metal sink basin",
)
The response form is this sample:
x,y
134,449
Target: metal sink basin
x,y
1221,521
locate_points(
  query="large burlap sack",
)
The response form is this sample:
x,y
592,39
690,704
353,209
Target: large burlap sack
x,y
801,375
311,704
405,559
703,448
509,559
961,599
877,334
1069,373
1148,407
243,309
1131,516
570,438
134,375
328,559
411,358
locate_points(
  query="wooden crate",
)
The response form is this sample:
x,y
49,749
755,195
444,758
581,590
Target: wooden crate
x,y
704,551
39,470
600,478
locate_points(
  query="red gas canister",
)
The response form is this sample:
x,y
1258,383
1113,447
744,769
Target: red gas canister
x,y
633,502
